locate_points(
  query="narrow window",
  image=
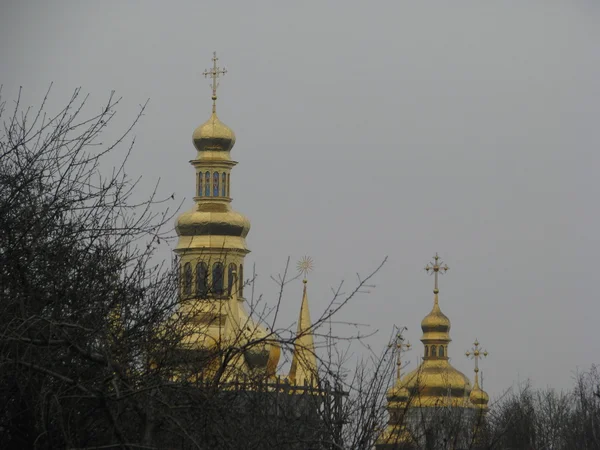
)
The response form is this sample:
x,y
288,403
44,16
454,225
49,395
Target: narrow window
x,y
441,353
241,278
207,184
426,351
201,279
187,279
224,184
228,180
217,281
216,184
230,277
433,350
200,184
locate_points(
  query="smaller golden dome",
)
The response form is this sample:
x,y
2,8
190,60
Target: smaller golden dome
x,y
213,135
479,397
436,321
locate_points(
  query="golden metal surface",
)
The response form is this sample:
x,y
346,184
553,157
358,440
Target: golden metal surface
x,y
213,135
213,232
435,382
478,396
304,361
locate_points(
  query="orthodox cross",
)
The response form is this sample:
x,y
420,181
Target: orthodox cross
x,y
214,73
399,347
475,353
435,267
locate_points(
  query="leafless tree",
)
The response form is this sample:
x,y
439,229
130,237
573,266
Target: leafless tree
x,y
90,324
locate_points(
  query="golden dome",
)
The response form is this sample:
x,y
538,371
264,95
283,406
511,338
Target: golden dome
x,y
436,324
273,362
213,135
397,393
479,397
259,352
436,382
207,219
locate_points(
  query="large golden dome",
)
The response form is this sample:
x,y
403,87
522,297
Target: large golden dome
x,y
213,135
207,219
436,383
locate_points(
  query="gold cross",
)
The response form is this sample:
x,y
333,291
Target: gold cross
x,y
214,73
476,353
434,268
399,347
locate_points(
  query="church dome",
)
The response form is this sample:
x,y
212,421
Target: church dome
x,y
397,393
479,397
436,321
208,219
437,383
213,135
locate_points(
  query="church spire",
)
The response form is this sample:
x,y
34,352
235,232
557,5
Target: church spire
x,y
479,398
436,325
304,361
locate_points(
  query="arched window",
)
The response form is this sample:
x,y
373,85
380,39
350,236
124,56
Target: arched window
x,y
426,351
433,350
441,352
217,278
241,281
200,191
216,184
207,184
223,184
201,279
231,274
187,279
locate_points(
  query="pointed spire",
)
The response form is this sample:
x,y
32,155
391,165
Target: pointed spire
x,y
304,361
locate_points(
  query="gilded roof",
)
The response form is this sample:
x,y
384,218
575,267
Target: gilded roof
x,y
213,135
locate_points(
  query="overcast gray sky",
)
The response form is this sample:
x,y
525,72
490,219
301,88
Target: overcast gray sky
x,y
367,129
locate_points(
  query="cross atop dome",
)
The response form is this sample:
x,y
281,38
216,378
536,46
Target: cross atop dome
x,y
215,72
434,268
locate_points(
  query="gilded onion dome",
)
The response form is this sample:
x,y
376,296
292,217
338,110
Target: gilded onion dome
x,y
479,398
213,135
436,382
208,219
436,325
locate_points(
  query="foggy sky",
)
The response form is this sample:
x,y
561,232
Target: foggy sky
x,y
367,129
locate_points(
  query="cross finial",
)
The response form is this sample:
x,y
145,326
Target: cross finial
x,y
399,347
435,267
475,353
214,73
305,265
